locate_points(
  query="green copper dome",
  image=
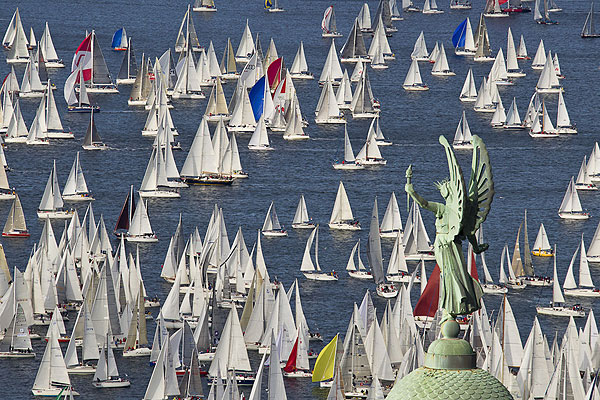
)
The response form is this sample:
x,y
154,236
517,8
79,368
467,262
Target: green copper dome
x,y
449,373
467,384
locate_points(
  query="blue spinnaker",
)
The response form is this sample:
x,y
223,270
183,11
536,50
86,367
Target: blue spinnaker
x,y
117,38
458,37
257,98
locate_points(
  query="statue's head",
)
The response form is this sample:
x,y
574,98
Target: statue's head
x,y
443,187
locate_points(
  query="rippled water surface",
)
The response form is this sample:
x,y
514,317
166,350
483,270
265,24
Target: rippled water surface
x,y
528,173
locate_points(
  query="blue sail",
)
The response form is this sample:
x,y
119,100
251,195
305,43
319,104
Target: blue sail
x,y
117,38
458,37
257,98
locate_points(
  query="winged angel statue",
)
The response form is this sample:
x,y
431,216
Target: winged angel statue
x,y
459,218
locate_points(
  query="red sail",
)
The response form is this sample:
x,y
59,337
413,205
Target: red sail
x,y
83,58
473,266
291,362
428,303
274,73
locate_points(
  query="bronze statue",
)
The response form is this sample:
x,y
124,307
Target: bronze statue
x,y
457,219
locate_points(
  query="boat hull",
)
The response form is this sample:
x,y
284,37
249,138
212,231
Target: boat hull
x,y
77,197
372,162
468,99
303,225
343,226
566,130
443,73
207,180
574,215
260,147
348,166
365,115
543,134
582,292
163,194
516,74
205,9
104,90
560,312
543,253
297,374
82,370
241,128
116,383
493,289
279,233
483,59
188,96
403,278
16,354
296,137
16,234
420,256
339,120
126,81
331,35
97,147
141,239
386,293
319,276
217,117
204,357
139,352
364,275
55,214
303,76
415,88
53,391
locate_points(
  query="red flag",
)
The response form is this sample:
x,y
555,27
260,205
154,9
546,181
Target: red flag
x,y
473,266
429,300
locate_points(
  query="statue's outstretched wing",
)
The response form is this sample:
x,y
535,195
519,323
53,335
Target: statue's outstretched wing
x,y
456,200
481,188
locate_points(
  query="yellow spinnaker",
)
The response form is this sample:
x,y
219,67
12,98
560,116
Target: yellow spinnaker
x,y
325,364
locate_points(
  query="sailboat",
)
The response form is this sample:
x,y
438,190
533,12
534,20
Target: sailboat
x,y
413,81
563,122
369,154
417,245
299,69
588,30
91,60
301,219
585,287
584,181
341,216
354,49
420,52
430,7
260,137
493,10
542,18
548,80
460,5
469,91
187,38
155,183
349,162
188,85
204,6
271,227
383,288
228,66
328,24
541,246
139,228
16,342
51,205
522,50
354,271
511,280
246,48
52,376
15,41
32,85
107,374
463,139
273,6
488,286
77,103
363,103
92,140
332,70
76,187
512,65
397,270
570,207
462,39
137,337
15,225
557,306
441,67
391,224
328,111
312,270
513,120
128,71
482,41
120,40
297,365
542,125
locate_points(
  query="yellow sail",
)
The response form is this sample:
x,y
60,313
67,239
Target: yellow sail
x,y
324,366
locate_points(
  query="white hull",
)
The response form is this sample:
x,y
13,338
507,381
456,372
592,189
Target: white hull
x,y
383,143
420,256
31,95
566,130
296,137
77,197
22,139
401,278
372,162
433,11
37,142
95,147
241,128
364,275
356,59
297,374
549,90
279,233
496,15
364,115
106,90
582,292
379,66
159,194
443,73
319,276
543,134
386,294
514,127
342,226
189,96
415,88
537,281
468,99
574,215
15,354
485,109
127,81
464,53
82,370
141,239
463,146
55,214
348,166
516,74
303,225
339,120
325,35
483,59
218,117
204,9
54,64
136,102
490,288
53,391
304,76
560,312
204,357
117,383
7,196
17,60
139,352
390,234
260,147
230,77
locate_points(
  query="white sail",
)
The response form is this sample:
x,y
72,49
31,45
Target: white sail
x,y
420,48
231,352
341,208
392,221
301,215
140,222
332,70
541,240
562,117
